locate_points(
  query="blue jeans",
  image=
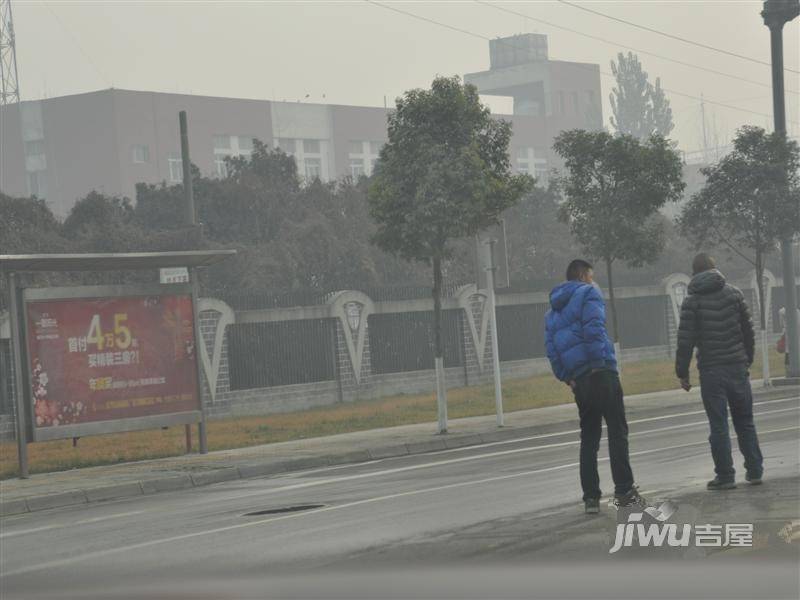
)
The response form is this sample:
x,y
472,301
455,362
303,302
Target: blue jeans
x,y
724,386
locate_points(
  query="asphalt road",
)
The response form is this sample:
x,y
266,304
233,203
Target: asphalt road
x,y
493,521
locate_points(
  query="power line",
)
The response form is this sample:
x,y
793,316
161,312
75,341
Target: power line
x,y
78,45
671,36
613,43
582,65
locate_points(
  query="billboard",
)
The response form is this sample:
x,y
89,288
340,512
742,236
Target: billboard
x,y
110,363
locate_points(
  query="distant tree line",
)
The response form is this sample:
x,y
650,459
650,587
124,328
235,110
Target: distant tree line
x,y
296,235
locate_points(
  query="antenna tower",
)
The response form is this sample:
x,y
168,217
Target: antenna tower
x,y
9,92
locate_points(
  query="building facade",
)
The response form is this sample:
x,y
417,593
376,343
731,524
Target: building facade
x,y
59,149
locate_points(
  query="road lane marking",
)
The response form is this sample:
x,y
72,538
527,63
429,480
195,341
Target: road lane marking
x,y
450,461
61,525
574,431
517,440
148,544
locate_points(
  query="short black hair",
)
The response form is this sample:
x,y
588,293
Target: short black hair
x,y
577,268
702,262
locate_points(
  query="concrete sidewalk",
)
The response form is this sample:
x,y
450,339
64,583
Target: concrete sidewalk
x,y
93,484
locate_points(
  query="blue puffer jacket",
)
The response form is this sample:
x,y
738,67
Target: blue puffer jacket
x,y
575,331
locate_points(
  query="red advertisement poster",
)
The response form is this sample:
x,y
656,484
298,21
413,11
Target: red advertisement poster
x,y
99,359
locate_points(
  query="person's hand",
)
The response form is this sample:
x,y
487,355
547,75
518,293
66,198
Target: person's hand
x,y
685,383
571,383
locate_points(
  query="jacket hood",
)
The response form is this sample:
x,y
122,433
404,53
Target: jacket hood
x,y
562,293
707,282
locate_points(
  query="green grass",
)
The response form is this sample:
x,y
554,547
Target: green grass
x,y
518,394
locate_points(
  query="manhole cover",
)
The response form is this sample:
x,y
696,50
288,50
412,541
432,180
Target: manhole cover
x,y
284,509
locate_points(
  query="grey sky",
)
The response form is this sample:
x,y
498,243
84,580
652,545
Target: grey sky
x,y
357,53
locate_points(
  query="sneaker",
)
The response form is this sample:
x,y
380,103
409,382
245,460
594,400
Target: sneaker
x,y
753,480
716,484
592,506
630,499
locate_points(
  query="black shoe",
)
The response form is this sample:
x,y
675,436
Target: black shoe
x,y
592,506
716,484
753,480
630,499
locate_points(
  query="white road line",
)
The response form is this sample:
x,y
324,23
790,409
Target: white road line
x,y
511,441
574,431
186,536
525,439
439,463
61,525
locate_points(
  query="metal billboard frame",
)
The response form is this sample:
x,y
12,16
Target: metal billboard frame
x,y
12,265
42,434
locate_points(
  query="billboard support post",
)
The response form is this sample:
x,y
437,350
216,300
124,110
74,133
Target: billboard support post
x,y
19,387
198,337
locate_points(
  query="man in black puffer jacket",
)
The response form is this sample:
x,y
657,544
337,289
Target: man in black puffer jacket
x,y
716,320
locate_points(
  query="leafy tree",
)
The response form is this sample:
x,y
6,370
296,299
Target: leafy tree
x,y
538,242
614,187
659,113
444,174
639,108
27,226
98,221
751,200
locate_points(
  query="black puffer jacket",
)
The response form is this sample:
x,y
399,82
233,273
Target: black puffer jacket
x,y
716,320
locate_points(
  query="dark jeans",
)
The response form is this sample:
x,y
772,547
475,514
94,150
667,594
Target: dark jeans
x,y
599,396
726,386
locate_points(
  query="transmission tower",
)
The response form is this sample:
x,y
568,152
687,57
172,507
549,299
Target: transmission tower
x,y
9,92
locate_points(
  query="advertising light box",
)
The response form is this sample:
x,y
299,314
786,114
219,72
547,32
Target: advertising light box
x,y
110,362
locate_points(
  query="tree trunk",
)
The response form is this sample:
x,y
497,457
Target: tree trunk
x,y
762,318
612,301
438,349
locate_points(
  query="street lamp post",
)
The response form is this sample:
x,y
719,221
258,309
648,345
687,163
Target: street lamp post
x,y
776,14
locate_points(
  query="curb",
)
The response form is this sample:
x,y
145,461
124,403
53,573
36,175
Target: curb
x,y
246,471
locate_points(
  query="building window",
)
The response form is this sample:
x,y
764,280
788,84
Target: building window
x,y
575,106
34,147
561,105
140,153
366,154
285,144
313,168
226,146
310,156
220,166
175,164
311,147
37,184
356,168
245,144
529,161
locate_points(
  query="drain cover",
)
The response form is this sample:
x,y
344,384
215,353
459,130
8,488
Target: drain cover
x,y
284,509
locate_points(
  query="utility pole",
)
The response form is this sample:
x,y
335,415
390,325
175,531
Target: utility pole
x,y
191,217
776,14
191,221
703,117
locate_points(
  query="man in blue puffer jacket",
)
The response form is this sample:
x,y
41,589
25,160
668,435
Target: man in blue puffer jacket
x,y
582,356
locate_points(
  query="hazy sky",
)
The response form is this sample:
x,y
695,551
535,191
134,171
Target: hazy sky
x,y
357,52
